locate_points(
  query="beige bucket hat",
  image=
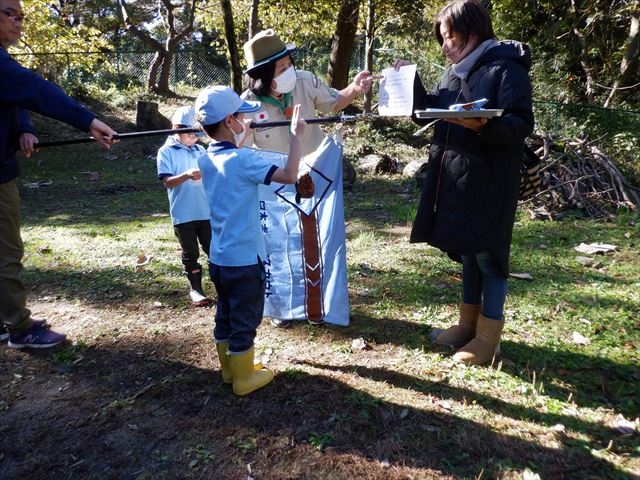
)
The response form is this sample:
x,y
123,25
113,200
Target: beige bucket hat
x,y
265,47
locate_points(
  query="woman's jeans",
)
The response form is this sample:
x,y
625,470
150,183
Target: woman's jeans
x,y
483,282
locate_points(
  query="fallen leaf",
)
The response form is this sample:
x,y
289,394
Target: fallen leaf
x,y
359,344
584,261
579,339
143,260
592,248
625,426
521,276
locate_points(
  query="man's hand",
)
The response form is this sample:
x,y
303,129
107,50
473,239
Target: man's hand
x,y
27,141
102,132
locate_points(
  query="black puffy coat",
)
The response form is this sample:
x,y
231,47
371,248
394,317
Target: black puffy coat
x,y
470,192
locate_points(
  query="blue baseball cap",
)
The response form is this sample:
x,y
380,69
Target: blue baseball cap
x,y
185,116
216,103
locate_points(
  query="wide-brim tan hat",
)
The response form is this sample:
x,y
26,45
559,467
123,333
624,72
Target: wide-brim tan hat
x,y
265,47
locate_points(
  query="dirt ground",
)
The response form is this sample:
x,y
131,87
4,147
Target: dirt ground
x,y
144,399
136,393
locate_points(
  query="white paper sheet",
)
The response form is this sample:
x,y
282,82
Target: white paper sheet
x,y
396,91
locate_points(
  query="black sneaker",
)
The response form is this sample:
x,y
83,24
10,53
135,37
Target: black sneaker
x,y
4,333
37,336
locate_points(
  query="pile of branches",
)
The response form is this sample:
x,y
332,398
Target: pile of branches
x,y
576,174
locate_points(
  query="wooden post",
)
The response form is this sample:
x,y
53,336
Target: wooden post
x,y
149,118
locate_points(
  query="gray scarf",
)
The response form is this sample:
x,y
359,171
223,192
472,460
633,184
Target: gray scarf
x,y
464,66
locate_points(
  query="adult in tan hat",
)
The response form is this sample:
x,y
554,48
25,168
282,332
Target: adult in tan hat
x,y
274,81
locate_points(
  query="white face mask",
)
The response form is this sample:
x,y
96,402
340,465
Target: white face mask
x,y
286,81
239,137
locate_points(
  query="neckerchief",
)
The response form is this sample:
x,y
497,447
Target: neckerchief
x,y
286,108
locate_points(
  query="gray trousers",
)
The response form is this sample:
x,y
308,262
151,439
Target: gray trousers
x,y
13,295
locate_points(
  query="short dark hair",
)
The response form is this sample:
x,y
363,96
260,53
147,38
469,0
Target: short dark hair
x,y
211,130
466,18
259,79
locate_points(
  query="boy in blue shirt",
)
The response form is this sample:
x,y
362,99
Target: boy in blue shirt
x,y
231,178
178,169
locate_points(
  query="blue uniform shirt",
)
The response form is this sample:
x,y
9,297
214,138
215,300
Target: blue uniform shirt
x,y
187,202
231,178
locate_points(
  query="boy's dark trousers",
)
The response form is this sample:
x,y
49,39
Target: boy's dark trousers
x,y
192,236
240,303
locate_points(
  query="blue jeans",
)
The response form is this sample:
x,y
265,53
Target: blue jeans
x,y
240,303
484,283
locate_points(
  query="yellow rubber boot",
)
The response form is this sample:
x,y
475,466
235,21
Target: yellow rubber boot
x,y
245,377
464,331
222,347
486,344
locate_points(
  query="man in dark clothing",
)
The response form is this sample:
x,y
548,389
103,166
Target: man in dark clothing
x,y
22,90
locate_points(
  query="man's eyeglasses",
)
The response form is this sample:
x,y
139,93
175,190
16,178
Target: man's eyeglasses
x,y
16,17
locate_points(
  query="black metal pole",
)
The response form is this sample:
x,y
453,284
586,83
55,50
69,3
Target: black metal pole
x,y
117,136
122,136
286,123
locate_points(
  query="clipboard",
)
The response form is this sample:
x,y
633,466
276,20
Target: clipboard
x,y
442,113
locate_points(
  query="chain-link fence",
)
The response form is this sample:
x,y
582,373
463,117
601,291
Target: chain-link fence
x,y
192,70
189,70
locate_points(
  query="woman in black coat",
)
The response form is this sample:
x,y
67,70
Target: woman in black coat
x,y
470,194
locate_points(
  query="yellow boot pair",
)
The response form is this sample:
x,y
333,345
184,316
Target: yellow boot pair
x,y
239,369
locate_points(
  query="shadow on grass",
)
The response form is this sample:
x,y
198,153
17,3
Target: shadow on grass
x,y
591,381
130,410
568,376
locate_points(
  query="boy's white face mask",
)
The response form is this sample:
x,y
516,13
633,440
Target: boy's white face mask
x,y
286,81
239,137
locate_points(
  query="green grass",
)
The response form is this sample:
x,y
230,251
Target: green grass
x,y
549,396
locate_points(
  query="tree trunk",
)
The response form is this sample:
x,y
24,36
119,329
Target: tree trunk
x,y
162,86
585,63
631,54
232,45
158,59
160,69
342,44
368,50
254,26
